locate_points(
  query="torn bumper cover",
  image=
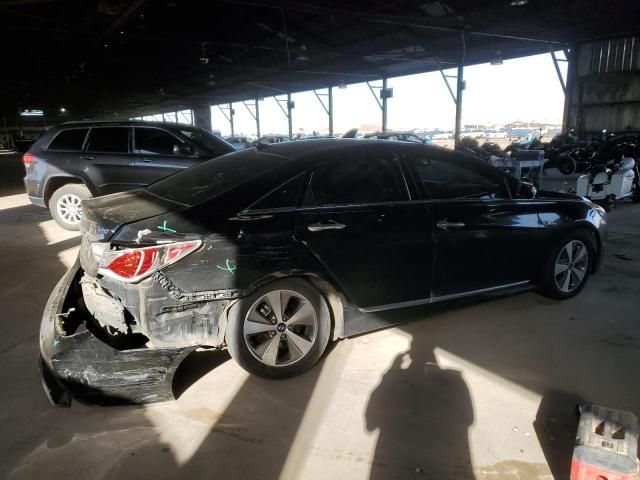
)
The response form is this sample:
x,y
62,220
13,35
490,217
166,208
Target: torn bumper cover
x,y
83,366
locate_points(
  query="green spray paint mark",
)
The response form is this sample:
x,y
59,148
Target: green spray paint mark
x,y
55,342
164,228
230,266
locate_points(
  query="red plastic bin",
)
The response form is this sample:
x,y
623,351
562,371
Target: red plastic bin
x,y
606,445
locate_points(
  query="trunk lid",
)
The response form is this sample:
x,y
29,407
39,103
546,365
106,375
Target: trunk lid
x,y
103,217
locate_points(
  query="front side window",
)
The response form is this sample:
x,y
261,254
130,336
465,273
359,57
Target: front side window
x,y
153,141
109,140
69,139
444,179
357,181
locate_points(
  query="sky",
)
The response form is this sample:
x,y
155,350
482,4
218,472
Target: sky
x,y
525,89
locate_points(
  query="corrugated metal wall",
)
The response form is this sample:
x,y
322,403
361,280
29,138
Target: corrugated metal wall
x,y
606,91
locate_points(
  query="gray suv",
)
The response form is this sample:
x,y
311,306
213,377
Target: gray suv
x,y
75,161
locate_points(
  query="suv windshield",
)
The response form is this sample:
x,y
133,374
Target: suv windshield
x,y
205,140
216,176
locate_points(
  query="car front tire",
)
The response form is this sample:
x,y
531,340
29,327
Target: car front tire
x,y
568,265
64,205
279,331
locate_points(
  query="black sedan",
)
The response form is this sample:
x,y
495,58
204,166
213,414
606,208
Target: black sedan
x,y
273,252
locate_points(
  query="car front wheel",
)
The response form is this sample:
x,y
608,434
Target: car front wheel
x,y
568,265
65,205
279,331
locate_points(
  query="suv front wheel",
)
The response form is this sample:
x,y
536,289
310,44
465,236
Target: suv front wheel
x,y
65,205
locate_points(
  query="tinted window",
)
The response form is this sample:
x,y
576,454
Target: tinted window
x,y
154,141
207,142
69,139
285,196
368,180
449,179
213,177
109,139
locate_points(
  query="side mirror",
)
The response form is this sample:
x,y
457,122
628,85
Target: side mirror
x,y
183,149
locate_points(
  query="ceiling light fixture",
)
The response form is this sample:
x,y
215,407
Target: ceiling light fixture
x,y
519,3
204,59
302,55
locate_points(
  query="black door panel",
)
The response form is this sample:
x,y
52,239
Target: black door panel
x,y
107,161
380,255
482,244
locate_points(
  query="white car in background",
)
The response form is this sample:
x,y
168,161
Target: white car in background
x,y
442,136
496,134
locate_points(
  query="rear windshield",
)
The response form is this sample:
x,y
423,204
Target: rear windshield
x,y
216,176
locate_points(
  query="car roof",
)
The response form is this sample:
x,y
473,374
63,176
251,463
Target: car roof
x,y
121,123
313,147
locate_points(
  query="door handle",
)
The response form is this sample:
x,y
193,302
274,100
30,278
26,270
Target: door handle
x,y
146,160
317,227
445,224
87,157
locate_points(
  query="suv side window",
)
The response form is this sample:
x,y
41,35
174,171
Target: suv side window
x,y
109,140
154,141
451,180
365,180
69,139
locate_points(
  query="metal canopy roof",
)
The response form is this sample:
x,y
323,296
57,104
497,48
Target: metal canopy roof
x,y
106,58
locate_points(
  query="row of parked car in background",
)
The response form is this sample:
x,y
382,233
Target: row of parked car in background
x,y
417,136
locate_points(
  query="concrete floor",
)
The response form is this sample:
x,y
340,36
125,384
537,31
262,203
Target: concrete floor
x,y
481,390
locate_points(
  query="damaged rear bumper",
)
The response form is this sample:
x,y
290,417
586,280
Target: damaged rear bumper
x,y
81,365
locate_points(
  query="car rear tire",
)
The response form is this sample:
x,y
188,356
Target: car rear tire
x,y
65,205
279,331
567,268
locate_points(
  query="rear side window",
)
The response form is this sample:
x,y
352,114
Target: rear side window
x,y
366,180
69,139
109,140
452,180
213,177
285,196
154,141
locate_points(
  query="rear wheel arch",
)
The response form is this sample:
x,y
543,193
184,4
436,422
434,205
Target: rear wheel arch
x,y
334,300
242,352
54,183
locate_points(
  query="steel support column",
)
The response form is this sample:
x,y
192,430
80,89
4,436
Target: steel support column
x,y
328,108
568,118
381,99
460,88
289,115
384,104
557,66
255,113
227,111
202,116
287,111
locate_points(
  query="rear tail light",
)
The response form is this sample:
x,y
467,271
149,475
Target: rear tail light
x,y
134,264
28,159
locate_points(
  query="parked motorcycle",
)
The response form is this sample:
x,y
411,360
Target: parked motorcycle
x,y
606,184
